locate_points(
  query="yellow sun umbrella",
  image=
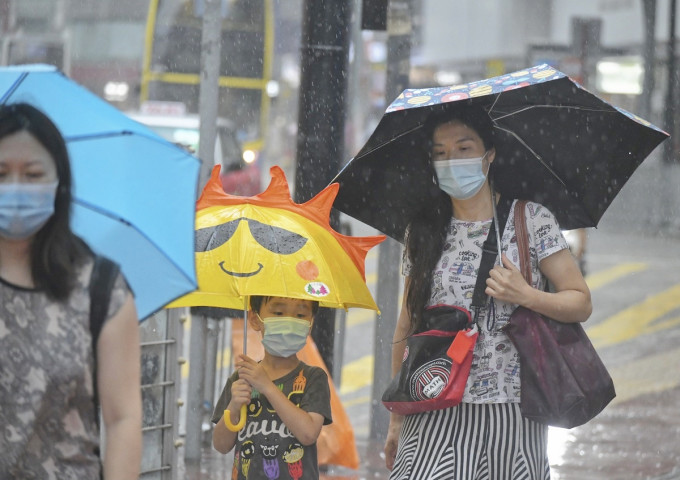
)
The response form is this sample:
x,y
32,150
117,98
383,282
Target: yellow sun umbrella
x,y
271,246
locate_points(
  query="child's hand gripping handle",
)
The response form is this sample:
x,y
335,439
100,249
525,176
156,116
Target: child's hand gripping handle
x,y
241,422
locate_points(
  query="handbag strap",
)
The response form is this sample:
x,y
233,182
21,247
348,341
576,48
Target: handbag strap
x,y
490,252
522,239
102,279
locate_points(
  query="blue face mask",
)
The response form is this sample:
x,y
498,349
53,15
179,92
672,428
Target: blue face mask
x,y
25,208
461,178
285,336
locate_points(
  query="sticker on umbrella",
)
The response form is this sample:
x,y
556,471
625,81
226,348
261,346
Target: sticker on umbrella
x,y
269,245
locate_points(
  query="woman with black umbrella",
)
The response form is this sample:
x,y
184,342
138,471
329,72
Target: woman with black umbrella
x,y
485,436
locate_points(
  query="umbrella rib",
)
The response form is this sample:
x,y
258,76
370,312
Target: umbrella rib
x,y
538,157
106,213
420,125
12,89
100,210
530,107
91,136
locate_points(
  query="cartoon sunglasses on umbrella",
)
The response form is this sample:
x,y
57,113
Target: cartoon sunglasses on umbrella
x,y
268,245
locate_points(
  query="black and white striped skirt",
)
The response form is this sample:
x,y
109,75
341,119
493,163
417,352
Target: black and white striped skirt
x,y
472,442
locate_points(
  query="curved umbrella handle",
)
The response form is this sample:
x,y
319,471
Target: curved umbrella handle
x,y
241,422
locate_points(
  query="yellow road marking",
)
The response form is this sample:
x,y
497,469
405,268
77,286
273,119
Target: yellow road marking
x,y
357,317
635,320
627,324
599,279
357,374
371,278
356,401
595,281
634,377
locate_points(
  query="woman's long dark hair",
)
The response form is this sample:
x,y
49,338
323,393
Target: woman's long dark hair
x,y
56,251
429,227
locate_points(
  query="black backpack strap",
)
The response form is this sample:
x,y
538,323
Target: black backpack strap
x,y
104,274
489,253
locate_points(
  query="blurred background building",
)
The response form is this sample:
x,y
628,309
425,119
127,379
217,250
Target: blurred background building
x,y
605,44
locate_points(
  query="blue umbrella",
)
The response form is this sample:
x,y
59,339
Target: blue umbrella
x,y
134,193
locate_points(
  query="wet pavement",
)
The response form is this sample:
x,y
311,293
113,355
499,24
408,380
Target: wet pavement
x,y
634,439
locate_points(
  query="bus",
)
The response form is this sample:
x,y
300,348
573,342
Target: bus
x,y
172,61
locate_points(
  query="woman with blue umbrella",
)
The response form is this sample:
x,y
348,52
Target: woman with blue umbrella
x,y
48,350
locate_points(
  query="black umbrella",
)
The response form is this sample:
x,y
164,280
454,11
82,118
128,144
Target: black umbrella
x,y
556,144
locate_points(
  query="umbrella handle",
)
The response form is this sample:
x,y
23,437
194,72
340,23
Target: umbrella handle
x,y
241,422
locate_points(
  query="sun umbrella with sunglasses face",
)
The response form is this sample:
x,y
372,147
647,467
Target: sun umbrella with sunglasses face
x,y
268,245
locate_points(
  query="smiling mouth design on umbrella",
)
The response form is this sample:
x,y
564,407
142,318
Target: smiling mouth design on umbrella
x,y
237,274
277,240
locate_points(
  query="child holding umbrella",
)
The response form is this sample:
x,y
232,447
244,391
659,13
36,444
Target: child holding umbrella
x,y
283,260
287,401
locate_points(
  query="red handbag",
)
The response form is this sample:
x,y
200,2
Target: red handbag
x,y
563,380
436,364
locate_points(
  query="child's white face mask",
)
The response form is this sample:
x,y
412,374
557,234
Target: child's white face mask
x,y
284,336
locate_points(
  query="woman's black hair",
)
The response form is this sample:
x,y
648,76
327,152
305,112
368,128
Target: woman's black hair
x,y
56,251
428,228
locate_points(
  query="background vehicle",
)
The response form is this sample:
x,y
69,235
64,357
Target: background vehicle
x,y
240,173
172,52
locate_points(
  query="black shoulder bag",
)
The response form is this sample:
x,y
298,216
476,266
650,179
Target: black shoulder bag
x,y
438,357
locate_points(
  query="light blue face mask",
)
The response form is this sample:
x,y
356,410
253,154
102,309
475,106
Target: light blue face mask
x,y
461,178
285,336
25,208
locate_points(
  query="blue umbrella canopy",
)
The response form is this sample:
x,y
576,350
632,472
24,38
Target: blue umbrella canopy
x,y
133,192
556,143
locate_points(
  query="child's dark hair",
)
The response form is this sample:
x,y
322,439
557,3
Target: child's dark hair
x,y
256,302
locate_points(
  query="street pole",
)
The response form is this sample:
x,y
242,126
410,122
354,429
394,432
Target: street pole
x,y
669,120
398,67
321,120
208,96
207,105
649,57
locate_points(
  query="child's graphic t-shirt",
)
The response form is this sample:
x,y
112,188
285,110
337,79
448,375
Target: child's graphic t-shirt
x,y
265,448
